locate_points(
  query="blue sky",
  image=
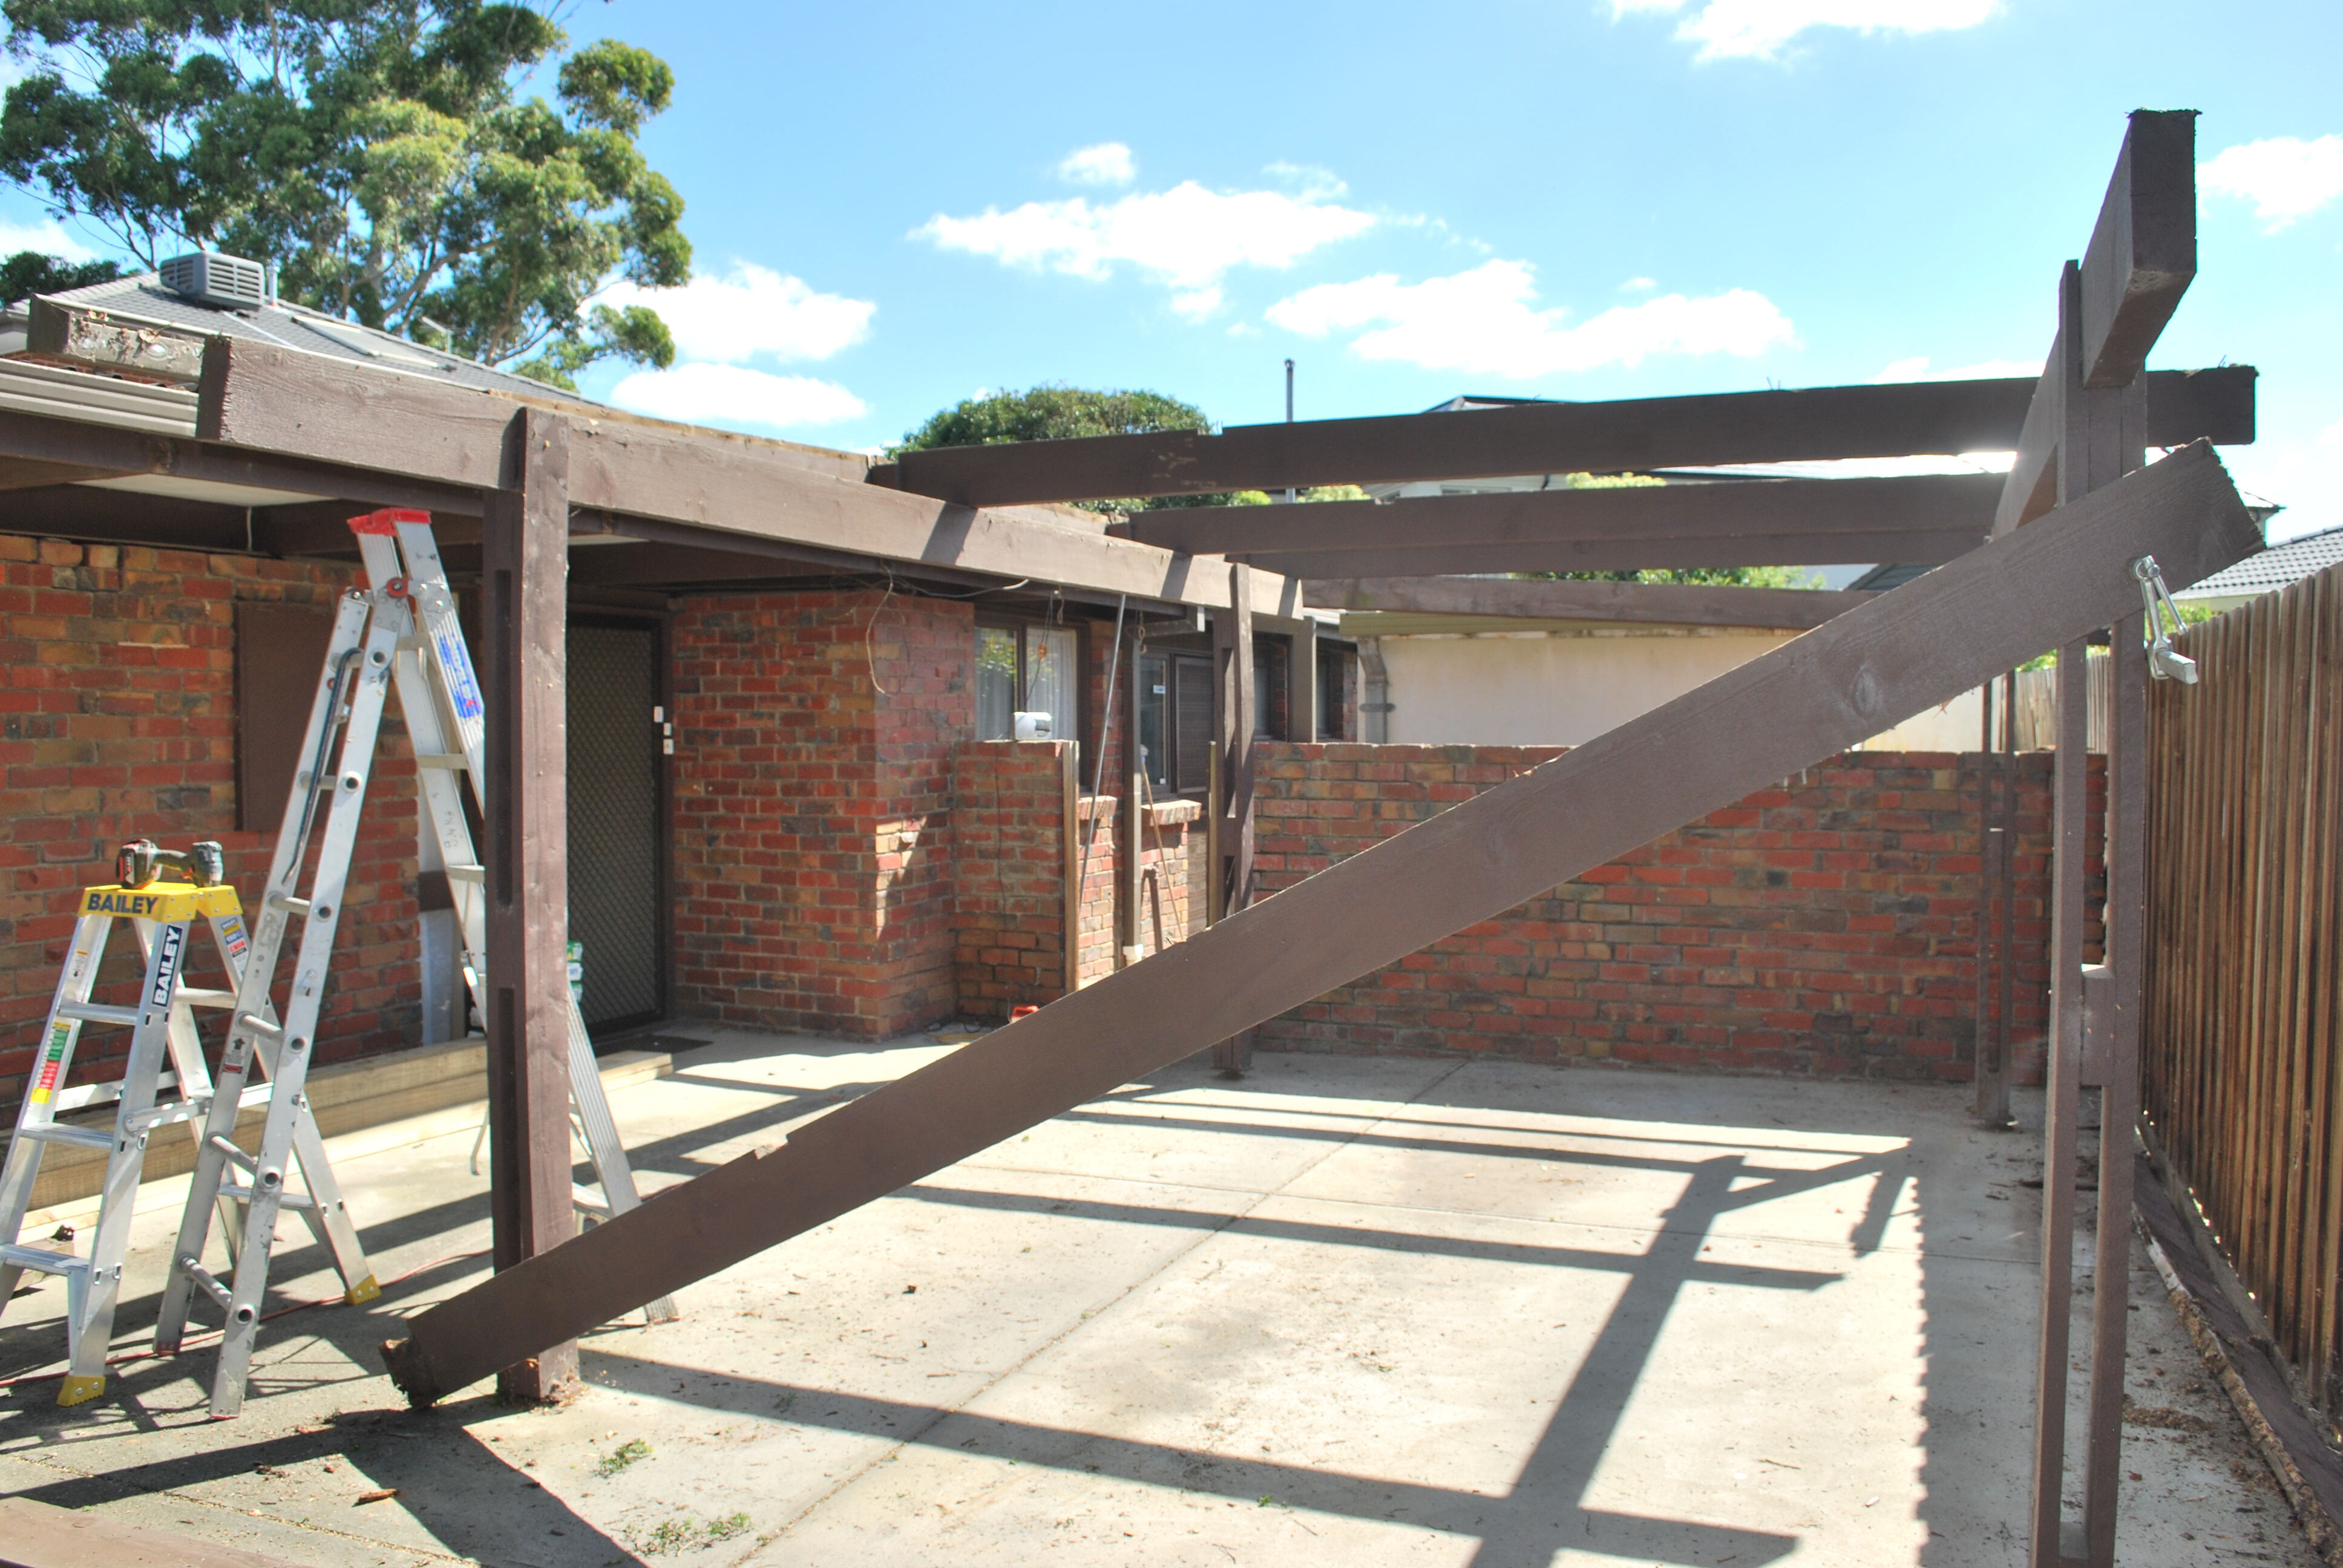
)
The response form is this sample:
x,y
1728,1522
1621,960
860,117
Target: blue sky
x,y
896,207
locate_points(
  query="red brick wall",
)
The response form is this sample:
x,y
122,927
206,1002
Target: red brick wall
x,y
1098,819
1824,926
117,721
814,737
1008,875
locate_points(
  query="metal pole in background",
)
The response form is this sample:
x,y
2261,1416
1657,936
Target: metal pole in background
x,y
1289,417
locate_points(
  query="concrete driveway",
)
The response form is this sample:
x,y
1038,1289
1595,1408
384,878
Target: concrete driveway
x,y
1350,1310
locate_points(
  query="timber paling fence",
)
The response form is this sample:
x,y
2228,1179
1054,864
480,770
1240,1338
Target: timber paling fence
x,y
2242,1074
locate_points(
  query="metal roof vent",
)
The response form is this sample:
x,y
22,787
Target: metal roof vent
x,y
209,277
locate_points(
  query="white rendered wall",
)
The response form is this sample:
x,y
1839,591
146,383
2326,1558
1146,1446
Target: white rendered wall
x,y
1535,690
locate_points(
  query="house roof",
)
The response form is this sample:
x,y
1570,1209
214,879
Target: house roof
x,y
2274,567
293,327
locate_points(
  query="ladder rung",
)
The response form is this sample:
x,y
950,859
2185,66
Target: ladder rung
x,y
289,904
43,1260
253,1023
589,1201
171,1115
449,760
197,996
205,1281
242,1160
468,874
57,1132
243,1194
99,1012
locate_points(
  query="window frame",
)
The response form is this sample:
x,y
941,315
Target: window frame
x,y
1000,620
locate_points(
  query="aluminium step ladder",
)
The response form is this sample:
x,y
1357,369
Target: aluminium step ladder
x,y
400,635
162,1024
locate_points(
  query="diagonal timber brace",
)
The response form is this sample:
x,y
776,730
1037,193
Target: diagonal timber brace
x,y
1861,673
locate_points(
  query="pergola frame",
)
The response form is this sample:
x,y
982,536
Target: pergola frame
x,y
719,509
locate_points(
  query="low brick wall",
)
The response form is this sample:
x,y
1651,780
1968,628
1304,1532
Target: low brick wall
x,y
117,721
1824,926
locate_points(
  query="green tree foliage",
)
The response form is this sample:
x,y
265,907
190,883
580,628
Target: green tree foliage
x,y
28,273
380,155
1060,413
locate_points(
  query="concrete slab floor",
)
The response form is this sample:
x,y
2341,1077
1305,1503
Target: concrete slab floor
x,y
1351,1310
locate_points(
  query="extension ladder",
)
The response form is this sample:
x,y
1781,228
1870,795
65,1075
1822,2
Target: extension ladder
x,y
402,634
162,1023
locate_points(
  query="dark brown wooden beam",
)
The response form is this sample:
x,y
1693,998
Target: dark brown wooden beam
x,y
1934,502
2143,250
1545,599
270,400
93,515
117,451
1632,555
526,547
1804,700
1896,420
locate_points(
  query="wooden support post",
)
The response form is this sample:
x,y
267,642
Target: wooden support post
x,y
1991,1071
1135,846
1302,684
2064,1068
1070,778
524,561
2102,436
2117,1032
1235,699
1806,699
1213,912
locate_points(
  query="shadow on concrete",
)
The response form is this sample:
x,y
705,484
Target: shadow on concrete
x,y
452,1483
1545,1512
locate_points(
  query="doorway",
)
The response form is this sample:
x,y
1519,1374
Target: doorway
x,y
617,838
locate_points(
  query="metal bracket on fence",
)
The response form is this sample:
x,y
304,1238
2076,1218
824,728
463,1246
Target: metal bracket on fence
x,y
2165,661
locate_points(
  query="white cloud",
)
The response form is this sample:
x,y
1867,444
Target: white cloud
x,y
748,311
48,237
1107,164
2331,437
1757,29
1313,182
1481,322
2285,177
1188,238
1916,369
1639,285
1196,303
730,395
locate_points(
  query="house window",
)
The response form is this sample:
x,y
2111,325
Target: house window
x,y
1027,670
1175,722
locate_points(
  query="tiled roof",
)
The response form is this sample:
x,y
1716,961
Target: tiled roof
x,y
296,327
2275,567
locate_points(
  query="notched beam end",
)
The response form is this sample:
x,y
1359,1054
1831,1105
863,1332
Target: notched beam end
x,y
2143,250
410,1372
